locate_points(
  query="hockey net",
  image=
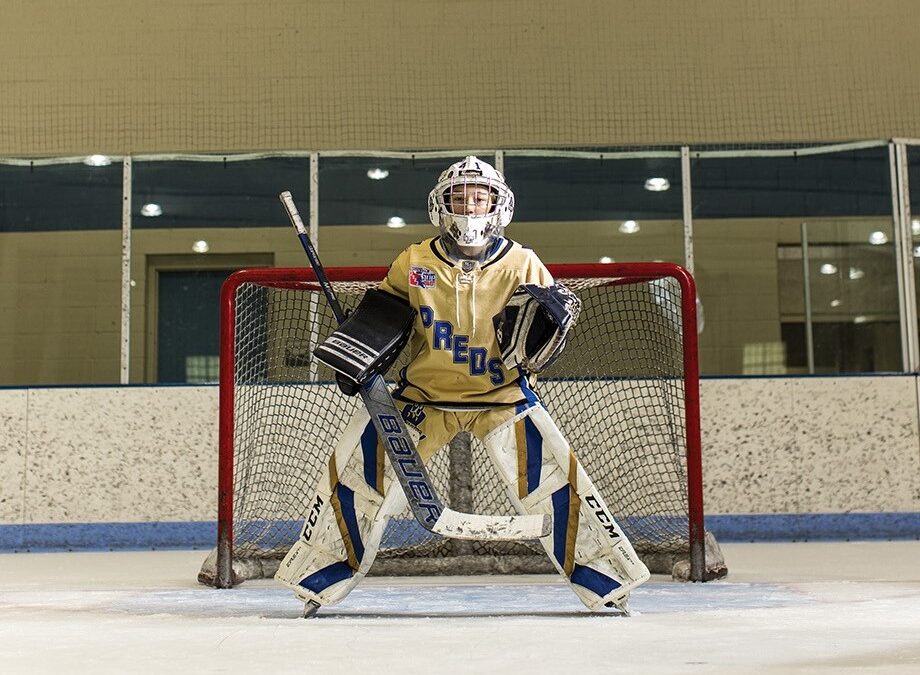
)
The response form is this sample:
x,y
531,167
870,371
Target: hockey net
x,y
624,393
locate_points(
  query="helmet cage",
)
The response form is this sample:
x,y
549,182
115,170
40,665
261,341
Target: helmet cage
x,y
463,233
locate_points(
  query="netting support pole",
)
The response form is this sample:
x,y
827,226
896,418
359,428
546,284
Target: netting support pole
x,y
314,236
313,223
904,255
806,289
126,183
685,181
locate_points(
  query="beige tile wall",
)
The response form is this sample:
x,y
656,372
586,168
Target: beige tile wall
x,y
131,454
13,434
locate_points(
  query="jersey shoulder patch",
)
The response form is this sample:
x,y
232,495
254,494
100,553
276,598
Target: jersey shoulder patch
x,y
421,277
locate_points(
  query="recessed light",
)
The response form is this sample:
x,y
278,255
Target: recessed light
x,y
915,227
860,319
878,238
828,268
856,273
97,160
605,259
201,246
396,222
377,173
657,184
151,210
629,227
835,303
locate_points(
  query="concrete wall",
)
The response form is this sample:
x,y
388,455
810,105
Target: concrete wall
x,y
72,458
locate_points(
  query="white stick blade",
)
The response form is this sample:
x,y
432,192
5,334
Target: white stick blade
x,y
458,525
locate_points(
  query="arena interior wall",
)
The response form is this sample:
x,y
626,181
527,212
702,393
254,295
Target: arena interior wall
x,y
790,458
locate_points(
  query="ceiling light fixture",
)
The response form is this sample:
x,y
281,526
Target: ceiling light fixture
x,y
201,246
629,227
657,184
151,210
396,222
856,273
97,160
606,259
878,238
377,173
828,268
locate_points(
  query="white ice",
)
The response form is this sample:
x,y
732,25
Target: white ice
x,y
843,607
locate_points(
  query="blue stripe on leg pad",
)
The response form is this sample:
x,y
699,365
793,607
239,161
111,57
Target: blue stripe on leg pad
x,y
560,522
593,580
323,579
534,454
369,450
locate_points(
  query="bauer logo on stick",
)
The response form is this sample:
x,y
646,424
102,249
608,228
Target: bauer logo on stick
x,y
421,277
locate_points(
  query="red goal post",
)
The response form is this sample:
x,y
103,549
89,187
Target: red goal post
x,y
625,393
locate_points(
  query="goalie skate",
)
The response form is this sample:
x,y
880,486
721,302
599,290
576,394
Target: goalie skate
x,y
310,608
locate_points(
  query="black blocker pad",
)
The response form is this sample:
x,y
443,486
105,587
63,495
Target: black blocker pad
x,y
370,339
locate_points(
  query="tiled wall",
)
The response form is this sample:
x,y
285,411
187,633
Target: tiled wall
x,y
149,454
811,445
108,454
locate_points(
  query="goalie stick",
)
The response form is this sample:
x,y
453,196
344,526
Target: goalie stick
x,y
424,501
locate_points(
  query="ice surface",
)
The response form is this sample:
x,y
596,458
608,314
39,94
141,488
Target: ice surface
x,y
143,612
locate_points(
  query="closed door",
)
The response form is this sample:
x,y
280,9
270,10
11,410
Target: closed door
x,y
187,325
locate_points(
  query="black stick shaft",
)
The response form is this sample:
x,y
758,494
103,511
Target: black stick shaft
x,y
288,200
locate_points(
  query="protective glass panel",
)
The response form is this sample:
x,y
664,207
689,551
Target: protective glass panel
x,y
371,208
604,209
194,223
60,274
751,218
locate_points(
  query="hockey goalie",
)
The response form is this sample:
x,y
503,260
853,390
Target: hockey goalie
x,y
482,317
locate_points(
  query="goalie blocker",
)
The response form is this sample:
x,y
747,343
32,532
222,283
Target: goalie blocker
x,y
368,341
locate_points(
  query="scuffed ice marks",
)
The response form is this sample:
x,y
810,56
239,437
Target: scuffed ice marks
x,y
267,602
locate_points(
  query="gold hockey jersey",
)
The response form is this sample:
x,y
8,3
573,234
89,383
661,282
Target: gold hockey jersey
x,y
454,357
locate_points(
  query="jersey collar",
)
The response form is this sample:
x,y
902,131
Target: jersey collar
x,y
499,248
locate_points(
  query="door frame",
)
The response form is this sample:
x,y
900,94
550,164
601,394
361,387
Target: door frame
x,y
182,262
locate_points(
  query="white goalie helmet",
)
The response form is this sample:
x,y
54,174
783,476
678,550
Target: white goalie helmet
x,y
470,204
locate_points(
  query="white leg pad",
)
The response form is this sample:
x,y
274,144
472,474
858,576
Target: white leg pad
x,y
542,475
345,523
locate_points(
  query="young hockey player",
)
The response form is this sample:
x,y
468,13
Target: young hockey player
x,y
466,372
